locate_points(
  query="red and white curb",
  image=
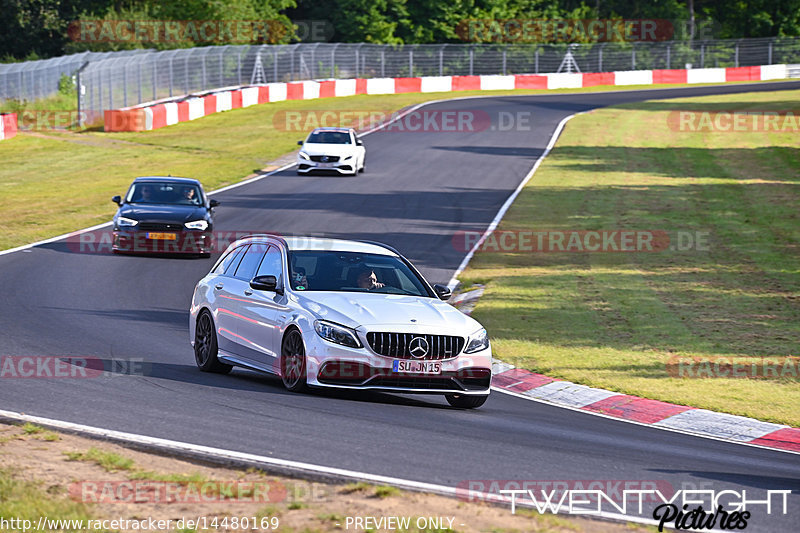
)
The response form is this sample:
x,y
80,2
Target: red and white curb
x,y
680,418
8,125
158,114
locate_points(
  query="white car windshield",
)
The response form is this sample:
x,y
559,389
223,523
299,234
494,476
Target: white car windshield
x,y
324,270
329,137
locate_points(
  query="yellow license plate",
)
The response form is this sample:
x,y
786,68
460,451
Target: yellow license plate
x,y
162,236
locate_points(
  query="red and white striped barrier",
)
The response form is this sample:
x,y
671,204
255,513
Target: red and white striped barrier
x,y
156,115
8,125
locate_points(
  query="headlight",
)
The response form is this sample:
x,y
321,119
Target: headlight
x,y
303,155
337,334
125,221
477,341
197,224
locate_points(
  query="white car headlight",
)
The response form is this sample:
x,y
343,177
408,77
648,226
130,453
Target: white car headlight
x,y
477,341
337,334
125,221
303,155
197,224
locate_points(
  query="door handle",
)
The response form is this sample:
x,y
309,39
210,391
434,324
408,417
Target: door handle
x,y
218,286
248,292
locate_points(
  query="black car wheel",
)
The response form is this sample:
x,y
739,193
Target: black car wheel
x,y
293,362
205,346
466,402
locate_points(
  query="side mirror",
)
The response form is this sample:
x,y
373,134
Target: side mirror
x,y
299,143
265,283
117,200
359,142
213,203
442,291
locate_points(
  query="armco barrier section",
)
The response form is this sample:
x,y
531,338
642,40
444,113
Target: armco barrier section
x,y
8,125
156,115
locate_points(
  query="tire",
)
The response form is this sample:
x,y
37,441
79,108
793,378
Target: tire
x,y
363,164
466,402
293,362
205,346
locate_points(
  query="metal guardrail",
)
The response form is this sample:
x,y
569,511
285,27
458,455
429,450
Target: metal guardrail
x,y
119,79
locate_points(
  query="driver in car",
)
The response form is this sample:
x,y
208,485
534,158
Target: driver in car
x,y
368,280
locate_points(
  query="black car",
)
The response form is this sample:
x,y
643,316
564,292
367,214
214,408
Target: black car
x,y
164,215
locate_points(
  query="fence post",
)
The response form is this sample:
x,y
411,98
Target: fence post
x,y
383,63
536,61
411,63
170,76
504,61
600,58
125,85
110,91
275,64
633,57
702,55
441,60
736,55
186,73
204,85
139,84
471,59
669,48
78,81
239,66
769,59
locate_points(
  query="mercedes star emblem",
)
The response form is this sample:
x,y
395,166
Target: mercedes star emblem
x,y
418,347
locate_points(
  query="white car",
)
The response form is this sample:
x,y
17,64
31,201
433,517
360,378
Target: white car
x,y
332,149
336,313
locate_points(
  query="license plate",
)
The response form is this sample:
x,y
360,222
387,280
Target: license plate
x,y
162,236
326,165
416,367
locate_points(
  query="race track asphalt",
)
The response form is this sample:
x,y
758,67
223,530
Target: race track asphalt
x,y
419,189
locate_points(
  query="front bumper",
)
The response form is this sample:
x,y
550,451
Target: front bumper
x,y
184,242
342,167
331,365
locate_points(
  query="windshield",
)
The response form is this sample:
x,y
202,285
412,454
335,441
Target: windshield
x,y
323,270
329,137
150,192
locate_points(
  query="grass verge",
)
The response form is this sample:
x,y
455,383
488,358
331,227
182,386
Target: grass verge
x,y
621,320
38,479
79,172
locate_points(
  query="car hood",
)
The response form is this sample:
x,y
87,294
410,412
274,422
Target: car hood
x,y
163,212
329,149
388,312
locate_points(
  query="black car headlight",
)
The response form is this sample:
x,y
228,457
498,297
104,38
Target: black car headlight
x,y
477,341
197,224
337,333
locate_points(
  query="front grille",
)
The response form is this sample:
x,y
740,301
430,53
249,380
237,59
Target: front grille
x,y
325,158
158,226
398,345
